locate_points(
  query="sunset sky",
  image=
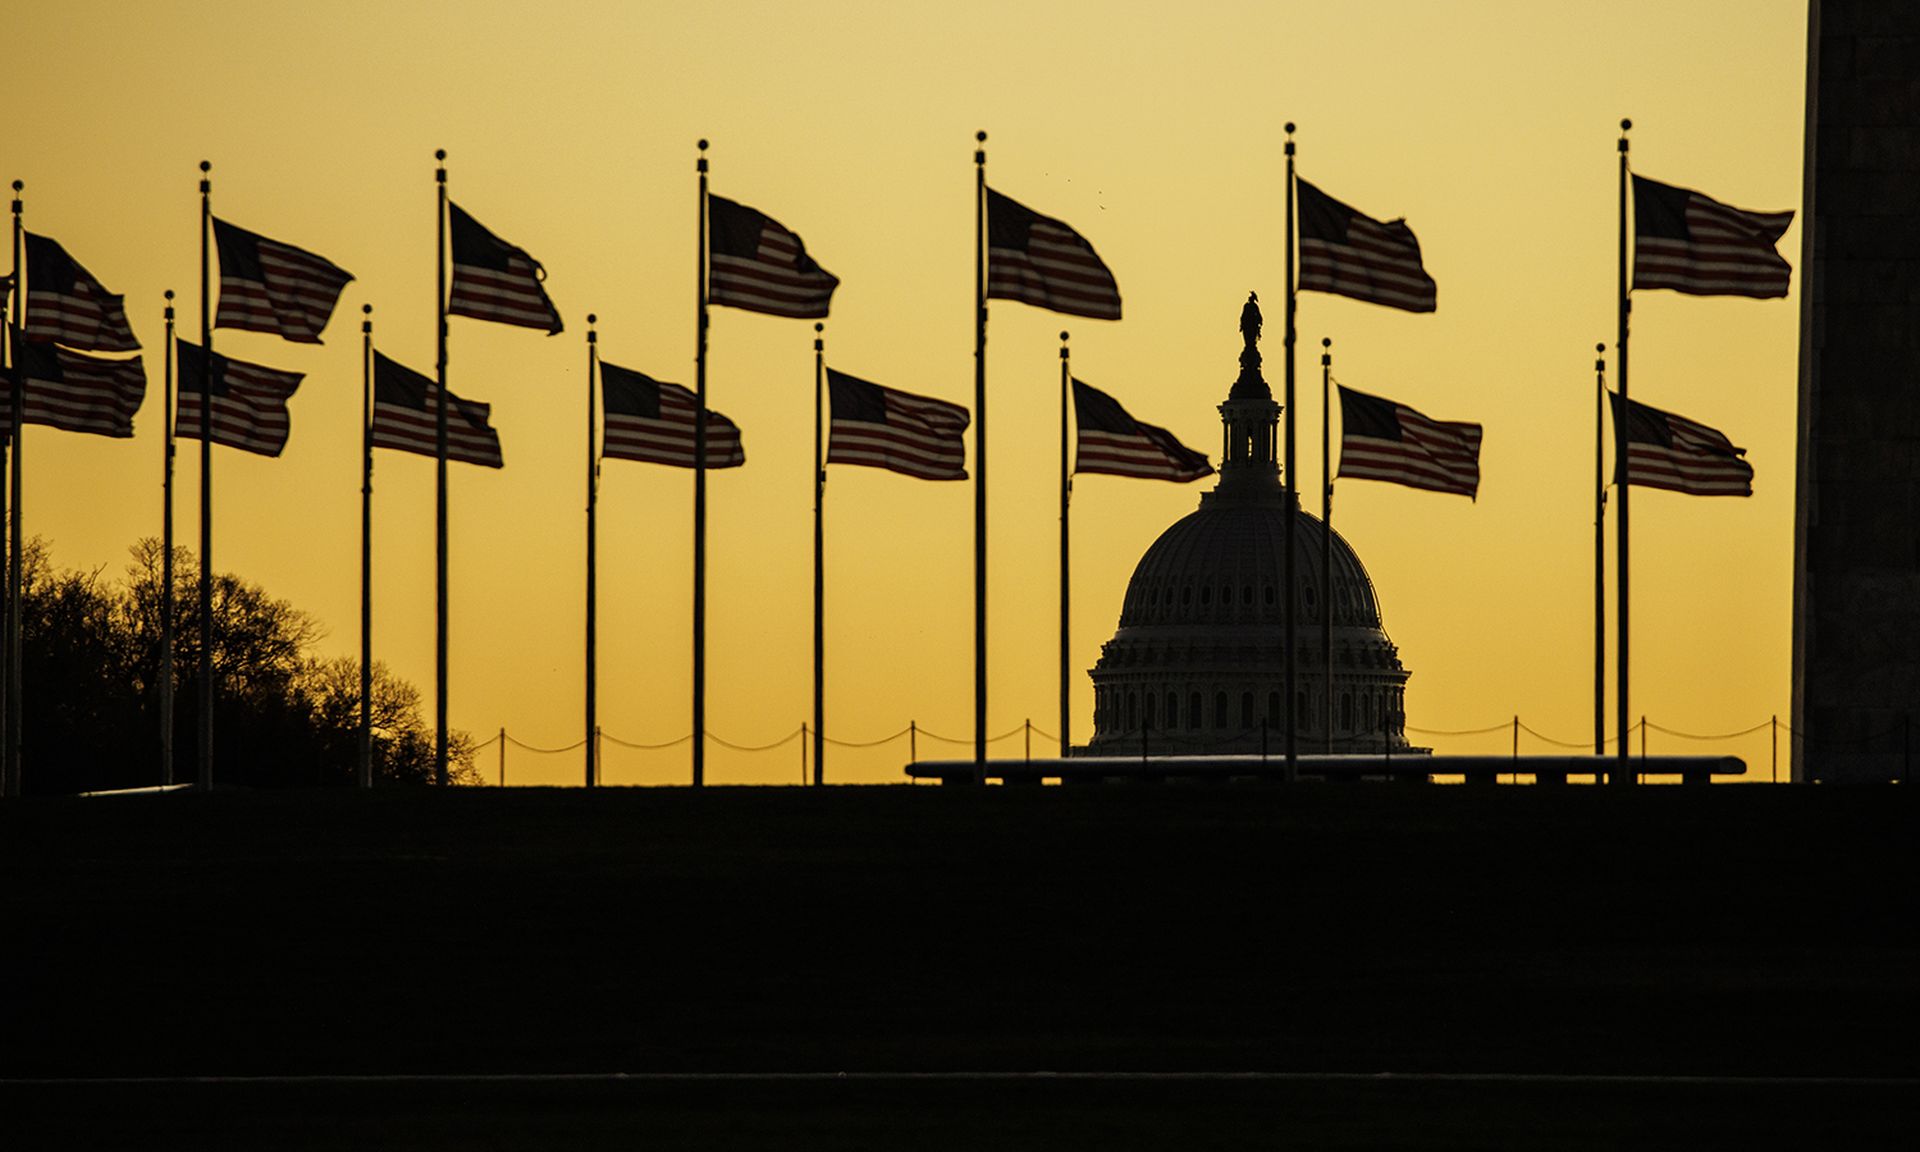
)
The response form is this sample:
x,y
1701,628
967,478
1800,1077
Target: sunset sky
x,y
1155,130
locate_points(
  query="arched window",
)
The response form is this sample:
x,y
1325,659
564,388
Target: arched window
x,y
1219,709
1131,704
1146,711
1246,709
1193,710
1346,711
1173,711
1300,702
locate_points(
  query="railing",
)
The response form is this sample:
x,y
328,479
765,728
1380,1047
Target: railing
x,y
1767,747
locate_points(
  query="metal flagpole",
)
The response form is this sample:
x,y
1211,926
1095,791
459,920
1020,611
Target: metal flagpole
x,y
205,775
1599,555
819,561
980,460
700,496
1327,600
440,477
10,765
593,567
366,546
1624,774
167,354
1293,499
1066,494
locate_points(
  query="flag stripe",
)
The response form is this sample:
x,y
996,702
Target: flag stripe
x,y
76,393
1712,250
1349,254
1109,440
670,437
249,403
1041,261
1435,455
65,304
493,280
1666,450
772,272
879,427
292,296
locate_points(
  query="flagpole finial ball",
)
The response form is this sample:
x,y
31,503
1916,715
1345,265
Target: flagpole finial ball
x,y
1289,127
819,327
703,144
169,293
18,185
1600,348
1626,125
1326,341
980,136
439,153
206,165
1063,337
366,309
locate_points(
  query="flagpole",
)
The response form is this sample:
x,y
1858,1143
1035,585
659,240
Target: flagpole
x,y
1326,519
205,774
593,502
440,475
700,495
1624,770
10,766
980,460
819,562
166,554
1599,555
366,547
1293,494
1066,494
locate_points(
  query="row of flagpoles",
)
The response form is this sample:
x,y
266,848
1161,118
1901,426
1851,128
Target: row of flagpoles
x,y
1682,240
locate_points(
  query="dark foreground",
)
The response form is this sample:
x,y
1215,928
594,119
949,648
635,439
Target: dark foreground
x,y
1766,938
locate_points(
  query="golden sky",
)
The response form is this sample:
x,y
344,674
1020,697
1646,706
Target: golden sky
x,y
1153,129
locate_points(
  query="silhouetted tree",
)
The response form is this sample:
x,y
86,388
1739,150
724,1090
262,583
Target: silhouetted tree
x,y
91,664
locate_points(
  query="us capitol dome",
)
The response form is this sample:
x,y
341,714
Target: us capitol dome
x,y
1198,665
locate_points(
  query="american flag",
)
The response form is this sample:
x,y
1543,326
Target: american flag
x,y
75,392
1673,452
1348,254
493,280
1382,440
653,421
887,428
1040,261
754,263
1113,442
249,409
406,417
267,286
1693,243
67,305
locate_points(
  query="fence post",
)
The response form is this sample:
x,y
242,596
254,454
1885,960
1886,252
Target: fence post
x,y
1516,748
1906,747
1775,752
803,751
1640,777
503,756
913,742
1028,755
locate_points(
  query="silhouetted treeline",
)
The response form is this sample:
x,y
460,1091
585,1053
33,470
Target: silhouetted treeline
x,y
283,716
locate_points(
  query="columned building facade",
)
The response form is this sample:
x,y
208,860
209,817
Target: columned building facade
x,y
1198,664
